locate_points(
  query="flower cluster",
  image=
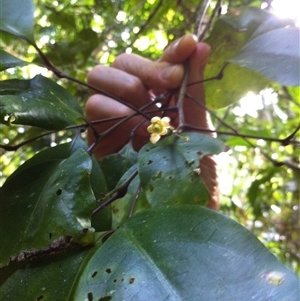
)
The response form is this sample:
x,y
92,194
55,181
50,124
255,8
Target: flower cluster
x,y
159,127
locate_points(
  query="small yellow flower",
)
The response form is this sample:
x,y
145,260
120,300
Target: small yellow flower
x,y
158,127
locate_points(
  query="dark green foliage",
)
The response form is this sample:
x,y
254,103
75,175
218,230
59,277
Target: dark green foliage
x,y
164,253
155,241
38,102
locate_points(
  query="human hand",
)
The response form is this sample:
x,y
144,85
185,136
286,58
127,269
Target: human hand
x,y
136,80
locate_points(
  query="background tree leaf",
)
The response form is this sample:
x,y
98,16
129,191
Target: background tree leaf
x,y
9,61
16,21
54,203
184,253
229,35
274,54
39,102
167,170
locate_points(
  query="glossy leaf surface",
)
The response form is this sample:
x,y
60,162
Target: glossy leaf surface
x,y
38,102
17,18
50,279
176,253
274,54
9,61
45,202
184,253
168,170
230,34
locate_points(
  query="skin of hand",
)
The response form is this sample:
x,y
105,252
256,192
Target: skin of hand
x,y
136,80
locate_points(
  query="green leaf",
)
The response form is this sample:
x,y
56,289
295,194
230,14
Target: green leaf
x,y
229,35
9,61
274,54
271,22
160,254
168,169
47,279
103,220
184,253
115,165
45,205
253,195
134,201
38,102
17,18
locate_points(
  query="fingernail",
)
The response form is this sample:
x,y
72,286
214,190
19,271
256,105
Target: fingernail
x,y
195,38
175,44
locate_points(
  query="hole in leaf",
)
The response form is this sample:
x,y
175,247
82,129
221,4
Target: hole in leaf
x,y
131,280
58,191
85,230
149,162
40,297
115,280
94,274
122,279
108,270
90,296
50,235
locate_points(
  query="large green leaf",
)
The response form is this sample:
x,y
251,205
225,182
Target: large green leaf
x,y
176,253
184,253
39,102
17,18
274,54
229,35
9,61
168,170
45,205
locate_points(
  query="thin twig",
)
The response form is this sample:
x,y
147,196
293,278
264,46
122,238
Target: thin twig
x,y
60,74
117,193
184,83
199,33
275,162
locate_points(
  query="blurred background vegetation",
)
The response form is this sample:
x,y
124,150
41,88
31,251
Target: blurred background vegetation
x,y
257,190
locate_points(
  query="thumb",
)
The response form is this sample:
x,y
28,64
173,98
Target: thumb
x,y
197,62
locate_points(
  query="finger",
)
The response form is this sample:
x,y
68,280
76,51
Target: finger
x,y
180,50
99,107
119,84
166,72
197,62
159,75
194,113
